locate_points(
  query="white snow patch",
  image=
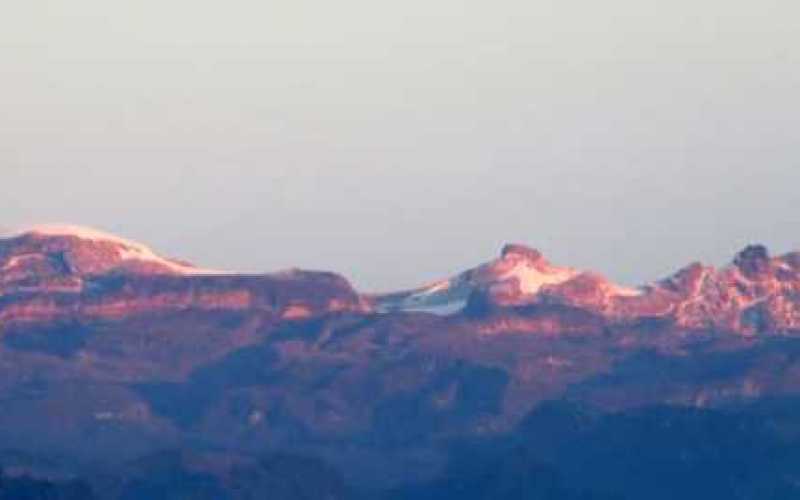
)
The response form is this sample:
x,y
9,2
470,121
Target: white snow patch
x,y
440,309
85,233
625,291
531,279
439,286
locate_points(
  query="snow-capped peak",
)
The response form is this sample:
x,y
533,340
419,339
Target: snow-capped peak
x,y
519,276
127,250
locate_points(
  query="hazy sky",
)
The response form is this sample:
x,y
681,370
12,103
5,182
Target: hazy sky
x,y
397,142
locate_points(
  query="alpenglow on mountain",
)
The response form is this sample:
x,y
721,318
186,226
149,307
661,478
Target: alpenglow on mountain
x,y
112,354
75,265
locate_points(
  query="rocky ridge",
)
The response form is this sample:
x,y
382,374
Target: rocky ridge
x,y
68,272
755,293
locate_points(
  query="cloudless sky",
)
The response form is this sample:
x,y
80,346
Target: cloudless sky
x,y
397,142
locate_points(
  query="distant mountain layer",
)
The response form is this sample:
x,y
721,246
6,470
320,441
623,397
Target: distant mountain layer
x,y
67,271
110,352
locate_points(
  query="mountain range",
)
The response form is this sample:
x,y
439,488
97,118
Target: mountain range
x,y
110,353
55,272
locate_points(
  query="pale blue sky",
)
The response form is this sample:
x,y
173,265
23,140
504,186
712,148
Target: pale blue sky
x,y
397,142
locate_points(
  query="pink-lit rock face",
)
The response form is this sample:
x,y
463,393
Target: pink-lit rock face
x,y
59,273
77,251
67,272
755,293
